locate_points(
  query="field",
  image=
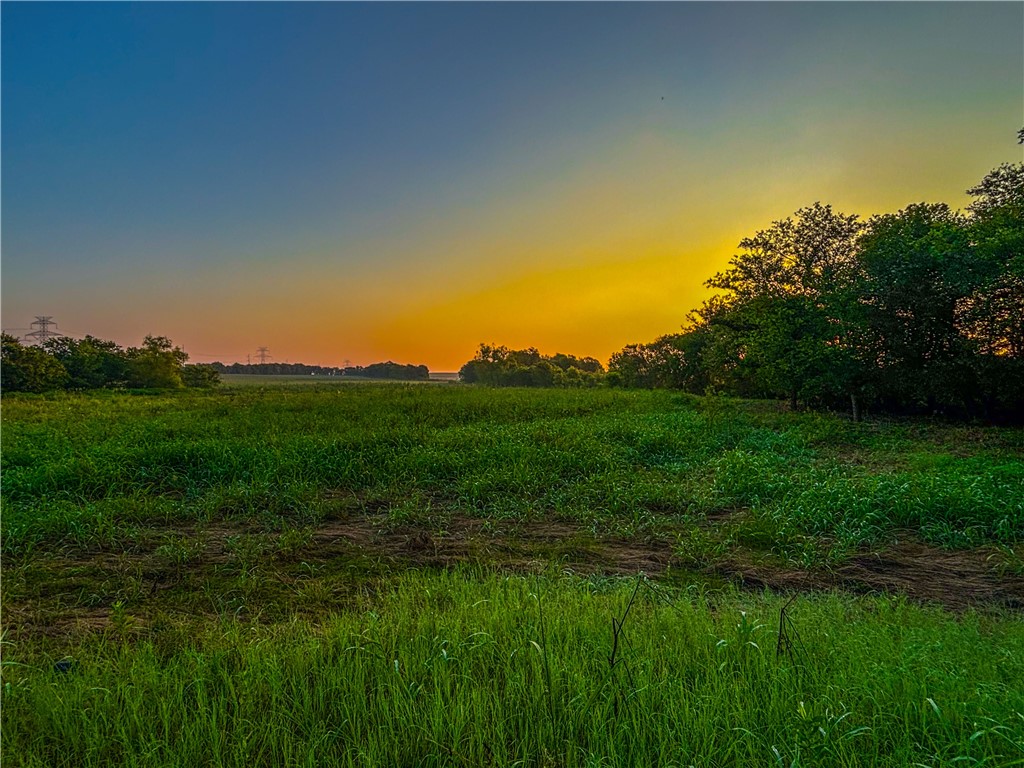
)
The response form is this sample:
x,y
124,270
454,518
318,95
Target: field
x,y
387,574
278,380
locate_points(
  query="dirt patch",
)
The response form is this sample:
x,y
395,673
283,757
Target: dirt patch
x,y
954,579
515,545
957,580
248,572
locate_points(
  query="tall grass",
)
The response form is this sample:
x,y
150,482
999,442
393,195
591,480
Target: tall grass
x,y
456,668
345,661
76,467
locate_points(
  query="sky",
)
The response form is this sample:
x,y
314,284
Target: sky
x,y
403,181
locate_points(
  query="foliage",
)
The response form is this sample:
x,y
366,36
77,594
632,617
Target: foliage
x,y
156,364
91,363
919,312
675,361
78,466
469,668
28,369
200,376
277,369
390,370
499,366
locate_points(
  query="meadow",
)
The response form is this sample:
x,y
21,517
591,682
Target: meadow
x,y
388,574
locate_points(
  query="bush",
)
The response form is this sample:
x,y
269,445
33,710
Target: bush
x,y
28,369
200,376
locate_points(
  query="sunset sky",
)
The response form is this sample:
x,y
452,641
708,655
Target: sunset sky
x,y
398,181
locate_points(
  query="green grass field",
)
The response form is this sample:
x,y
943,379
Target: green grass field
x,y
404,575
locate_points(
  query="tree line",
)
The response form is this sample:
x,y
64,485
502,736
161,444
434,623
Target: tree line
x,y
915,312
388,370
92,363
503,367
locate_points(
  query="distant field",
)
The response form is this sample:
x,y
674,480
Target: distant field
x,y
251,379
382,574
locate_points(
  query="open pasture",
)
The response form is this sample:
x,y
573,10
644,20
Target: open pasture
x,y
397,574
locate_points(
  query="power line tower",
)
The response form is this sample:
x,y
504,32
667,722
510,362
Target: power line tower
x,y
263,354
43,333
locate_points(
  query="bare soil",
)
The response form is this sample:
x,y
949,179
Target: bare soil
x,y
79,590
514,545
956,580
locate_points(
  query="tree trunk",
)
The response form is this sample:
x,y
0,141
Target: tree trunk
x,y
792,399
855,406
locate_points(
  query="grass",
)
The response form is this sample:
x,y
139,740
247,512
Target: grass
x,y
457,668
80,467
395,574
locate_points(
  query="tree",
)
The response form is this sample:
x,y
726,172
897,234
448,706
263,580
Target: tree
x,y
781,309
200,376
919,266
28,369
156,364
994,314
91,363
566,362
807,254
499,366
919,310
992,317
674,361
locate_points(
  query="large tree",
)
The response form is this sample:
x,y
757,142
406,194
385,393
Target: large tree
x,y
919,266
784,303
994,314
91,363
157,364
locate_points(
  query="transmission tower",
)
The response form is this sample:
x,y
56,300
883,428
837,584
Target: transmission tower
x,y
263,354
43,333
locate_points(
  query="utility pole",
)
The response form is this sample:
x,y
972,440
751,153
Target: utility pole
x,y
263,354
43,333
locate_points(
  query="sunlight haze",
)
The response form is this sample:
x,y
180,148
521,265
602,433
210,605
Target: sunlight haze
x,y
395,181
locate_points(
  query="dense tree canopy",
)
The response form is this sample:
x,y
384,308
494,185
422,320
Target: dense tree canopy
x,y
504,367
918,311
92,363
28,369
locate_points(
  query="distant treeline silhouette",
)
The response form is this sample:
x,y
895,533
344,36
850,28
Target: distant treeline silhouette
x,y
915,312
92,363
388,370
